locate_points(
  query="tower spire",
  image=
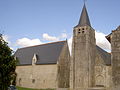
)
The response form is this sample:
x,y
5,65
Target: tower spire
x,y
84,18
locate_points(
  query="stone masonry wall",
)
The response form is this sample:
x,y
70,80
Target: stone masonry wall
x,y
64,68
37,76
115,44
102,73
83,58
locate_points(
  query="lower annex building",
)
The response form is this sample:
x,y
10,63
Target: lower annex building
x,y
89,67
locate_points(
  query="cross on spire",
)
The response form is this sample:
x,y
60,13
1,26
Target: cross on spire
x,y
85,1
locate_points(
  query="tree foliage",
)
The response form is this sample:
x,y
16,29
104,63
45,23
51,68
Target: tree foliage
x,y
7,65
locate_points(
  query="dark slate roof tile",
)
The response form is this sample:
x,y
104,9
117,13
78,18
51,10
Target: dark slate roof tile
x,y
84,18
46,53
105,55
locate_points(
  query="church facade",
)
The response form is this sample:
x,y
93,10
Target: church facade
x,y
89,67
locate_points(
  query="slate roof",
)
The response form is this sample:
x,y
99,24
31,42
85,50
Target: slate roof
x,y
46,53
108,37
49,53
105,55
84,18
118,28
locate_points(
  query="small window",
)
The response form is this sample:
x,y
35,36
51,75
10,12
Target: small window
x,y
33,80
78,32
82,28
82,31
79,29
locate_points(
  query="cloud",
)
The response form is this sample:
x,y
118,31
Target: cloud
x,y
63,35
6,38
70,44
101,41
28,42
49,38
24,42
53,38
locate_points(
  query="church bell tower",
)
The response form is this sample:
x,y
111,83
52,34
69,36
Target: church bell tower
x,y
83,54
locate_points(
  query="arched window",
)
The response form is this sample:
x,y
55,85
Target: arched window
x,y
99,81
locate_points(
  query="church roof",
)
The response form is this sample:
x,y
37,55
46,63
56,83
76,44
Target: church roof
x,y
104,55
118,28
46,53
108,37
84,18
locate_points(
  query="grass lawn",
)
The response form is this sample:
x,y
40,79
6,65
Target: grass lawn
x,y
21,88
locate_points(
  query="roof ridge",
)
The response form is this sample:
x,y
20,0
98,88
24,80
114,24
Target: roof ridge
x,y
42,44
102,49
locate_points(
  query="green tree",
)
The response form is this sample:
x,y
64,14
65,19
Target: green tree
x,y
7,65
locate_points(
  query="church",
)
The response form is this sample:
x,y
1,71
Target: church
x,y
89,67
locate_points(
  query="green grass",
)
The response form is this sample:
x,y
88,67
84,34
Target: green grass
x,y
21,88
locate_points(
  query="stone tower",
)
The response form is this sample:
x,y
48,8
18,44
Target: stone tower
x,y
115,45
83,54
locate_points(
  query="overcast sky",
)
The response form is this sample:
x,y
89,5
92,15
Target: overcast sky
x,y
31,22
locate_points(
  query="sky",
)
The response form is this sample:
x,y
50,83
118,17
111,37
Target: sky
x,y
31,22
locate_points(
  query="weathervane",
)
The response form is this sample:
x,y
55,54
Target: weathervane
x,y
84,1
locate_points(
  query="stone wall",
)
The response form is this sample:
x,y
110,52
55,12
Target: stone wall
x,y
103,76
115,44
37,76
83,58
64,68
102,73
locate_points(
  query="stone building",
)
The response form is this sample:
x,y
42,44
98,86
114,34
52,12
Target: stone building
x,y
114,39
90,64
88,68
43,66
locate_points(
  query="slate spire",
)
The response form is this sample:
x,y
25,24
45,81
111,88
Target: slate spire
x,y
84,18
